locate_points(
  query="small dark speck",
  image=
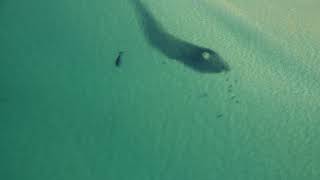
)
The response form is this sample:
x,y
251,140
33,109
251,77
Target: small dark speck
x,y
232,97
229,90
203,95
237,101
219,115
230,86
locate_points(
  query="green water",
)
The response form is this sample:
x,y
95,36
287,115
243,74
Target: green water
x,y
66,112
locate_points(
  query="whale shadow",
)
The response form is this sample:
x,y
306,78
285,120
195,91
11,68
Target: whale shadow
x,y
200,59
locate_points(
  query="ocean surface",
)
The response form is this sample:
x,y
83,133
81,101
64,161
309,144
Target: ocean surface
x,y
68,112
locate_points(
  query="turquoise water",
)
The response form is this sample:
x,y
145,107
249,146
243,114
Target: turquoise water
x,y
67,112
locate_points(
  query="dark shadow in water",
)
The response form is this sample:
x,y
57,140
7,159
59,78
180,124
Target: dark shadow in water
x,y
198,58
118,61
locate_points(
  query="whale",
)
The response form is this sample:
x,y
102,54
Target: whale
x,y
198,58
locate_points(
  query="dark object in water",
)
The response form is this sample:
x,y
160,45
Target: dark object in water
x,y
203,95
233,97
219,115
119,60
198,58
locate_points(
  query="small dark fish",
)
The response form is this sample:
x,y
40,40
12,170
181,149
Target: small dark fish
x,y
233,97
119,59
219,115
237,101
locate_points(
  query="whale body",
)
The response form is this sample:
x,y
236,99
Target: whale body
x,y
200,59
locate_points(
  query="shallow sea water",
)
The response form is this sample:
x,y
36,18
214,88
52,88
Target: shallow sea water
x,y
67,112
